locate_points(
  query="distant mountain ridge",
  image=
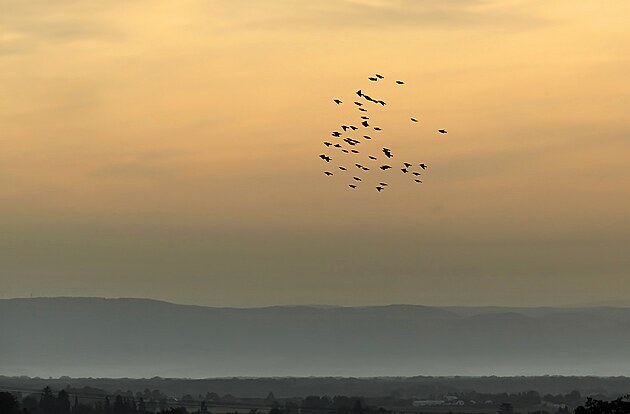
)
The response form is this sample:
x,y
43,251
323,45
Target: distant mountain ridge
x,y
143,338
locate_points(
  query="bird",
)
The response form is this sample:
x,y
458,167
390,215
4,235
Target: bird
x,y
356,178
423,166
365,169
442,131
362,109
369,98
337,101
344,150
343,168
364,117
381,102
371,157
365,123
377,128
336,134
387,152
358,165
352,127
416,173
344,127
328,173
358,103
404,170
385,167
414,120
367,137
374,79
400,82
352,186
379,189
325,157
337,145
418,181
328,144
383,184
354,151
378,76
359,92
406,164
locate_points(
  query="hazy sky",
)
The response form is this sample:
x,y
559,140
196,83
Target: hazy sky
x,y
169,150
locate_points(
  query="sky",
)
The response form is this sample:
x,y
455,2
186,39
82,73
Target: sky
x,y
169,150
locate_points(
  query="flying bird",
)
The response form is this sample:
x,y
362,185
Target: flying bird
x,y
352,127
336,134
365,123
442,131
364,117
406,164
358,103
357,178
404,170
359,92
377,128
345,150
371,157
381,102
374,79
354,151
365,169
337,145
416,173
367,137
400,82
352,186
343,168
325,157
414,120
328,144
362,109
385,167
337,101
344,127
383,184
418,181
378,76
358,165
328,173
387,152
379,189
423,166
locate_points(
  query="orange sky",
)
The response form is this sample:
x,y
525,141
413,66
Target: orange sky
x,y
169,150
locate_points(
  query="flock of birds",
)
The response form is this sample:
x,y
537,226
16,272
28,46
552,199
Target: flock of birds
x,y
346,142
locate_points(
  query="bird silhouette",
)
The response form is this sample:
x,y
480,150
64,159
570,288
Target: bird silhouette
x,y
358,103
406,164
358,165
387,152
356,178
367,137
416,173
337,145
404,170
371,157
325,157
378,76
343,168
423,166
374,79
352,186
328,144
328,173
345,127
336,134
383,184
400,82
377,128
359,92
362,109
364,117
379,189
365,169
414,120
365,123
381,102
337,101
354,151
385,167
442,131
345,150
418,181
352,127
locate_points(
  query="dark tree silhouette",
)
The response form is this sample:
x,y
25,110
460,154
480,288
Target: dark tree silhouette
x,y
592,406
63,403
48,402
8,403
